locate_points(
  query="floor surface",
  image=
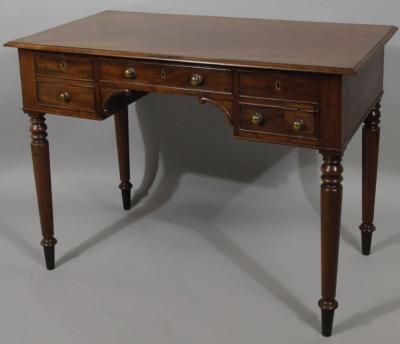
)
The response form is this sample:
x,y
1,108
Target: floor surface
x,y
221,249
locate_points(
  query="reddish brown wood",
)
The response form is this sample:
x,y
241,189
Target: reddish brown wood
x,y
331,114
279,118
41,168
30,81
64,66
65,112
331,208
236,99
122,134
360,94
163,88
166,75
342,101
370,152
240,42
80,97
27,73
327,75
280,85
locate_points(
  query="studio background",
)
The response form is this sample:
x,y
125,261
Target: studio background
x,y
222,245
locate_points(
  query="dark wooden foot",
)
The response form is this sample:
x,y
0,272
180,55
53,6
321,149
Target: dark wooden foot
x,y
122,134
41,168
331,208
327,315
370,152
126,195
366,240
49,256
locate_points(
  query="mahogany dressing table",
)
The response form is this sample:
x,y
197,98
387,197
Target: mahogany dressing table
x,y
296,83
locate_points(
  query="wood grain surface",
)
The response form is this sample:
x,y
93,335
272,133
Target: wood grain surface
x,y
259,43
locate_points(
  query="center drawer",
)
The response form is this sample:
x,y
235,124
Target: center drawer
x,y
166,75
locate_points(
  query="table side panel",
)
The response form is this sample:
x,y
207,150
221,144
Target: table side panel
x,y
27,74
360,93
330,116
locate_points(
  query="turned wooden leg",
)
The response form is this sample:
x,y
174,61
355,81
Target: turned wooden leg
x,y
41,168
370,152
331,208
122,134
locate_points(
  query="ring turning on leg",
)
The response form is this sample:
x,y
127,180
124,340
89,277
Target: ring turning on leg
x,y
370,152
41,168
122,134
331,207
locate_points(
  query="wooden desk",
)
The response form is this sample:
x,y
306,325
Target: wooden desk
x,y
295,83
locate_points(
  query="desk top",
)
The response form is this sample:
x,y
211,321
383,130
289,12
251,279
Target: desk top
x,y
255,43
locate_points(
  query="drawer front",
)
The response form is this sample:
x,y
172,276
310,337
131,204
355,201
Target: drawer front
x,y
66,96
275,119
280,85
177,76
64,66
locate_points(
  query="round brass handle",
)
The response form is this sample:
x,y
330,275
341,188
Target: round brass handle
x,y
298,124
256,118
196,80
130,73
65,96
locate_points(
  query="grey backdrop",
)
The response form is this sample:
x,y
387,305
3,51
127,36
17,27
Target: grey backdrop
x,y
223,243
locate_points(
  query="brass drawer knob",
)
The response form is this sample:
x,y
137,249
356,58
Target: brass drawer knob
x,y
298,124
196,80
130,73
256,118
65,96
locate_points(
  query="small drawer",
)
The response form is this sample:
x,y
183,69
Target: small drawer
x,y
166,75
66,96
64,66
280,85
279,119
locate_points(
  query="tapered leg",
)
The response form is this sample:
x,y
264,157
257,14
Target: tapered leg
x,y
122,134
331,208
370,152
41,168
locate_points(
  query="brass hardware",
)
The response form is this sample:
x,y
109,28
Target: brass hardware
x,y
65,96
196,80
130,73
163,74
63,65
256,118
278,85
298,124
